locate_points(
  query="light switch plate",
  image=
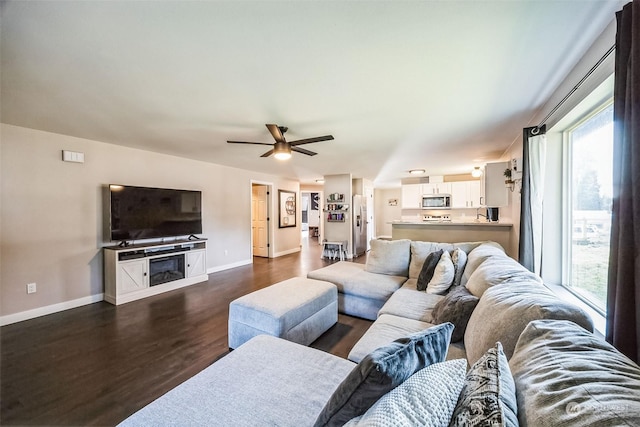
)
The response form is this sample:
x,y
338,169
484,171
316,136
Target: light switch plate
x,y
72,156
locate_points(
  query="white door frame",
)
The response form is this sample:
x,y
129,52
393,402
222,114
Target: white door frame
x,y
270,230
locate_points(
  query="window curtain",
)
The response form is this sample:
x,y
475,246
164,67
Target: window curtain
x,y
534,151
623,292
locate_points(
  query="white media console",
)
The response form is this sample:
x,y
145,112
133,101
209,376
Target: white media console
x,y
139,271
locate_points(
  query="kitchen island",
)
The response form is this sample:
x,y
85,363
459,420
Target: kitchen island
x,y
454,231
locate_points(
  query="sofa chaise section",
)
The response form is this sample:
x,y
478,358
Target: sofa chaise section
x,y
266,381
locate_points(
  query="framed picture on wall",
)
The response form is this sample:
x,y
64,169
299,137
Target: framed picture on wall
x,y
286,208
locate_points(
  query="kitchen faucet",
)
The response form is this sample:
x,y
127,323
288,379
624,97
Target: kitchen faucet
x,y
478,215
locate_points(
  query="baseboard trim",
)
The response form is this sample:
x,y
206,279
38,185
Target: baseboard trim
x,y
283,253
49,309
55,308
228,266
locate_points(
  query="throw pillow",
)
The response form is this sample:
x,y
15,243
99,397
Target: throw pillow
x,y
456,307
383,370
489,394
442,276
428,268
427,398
459,258
420,251
390,257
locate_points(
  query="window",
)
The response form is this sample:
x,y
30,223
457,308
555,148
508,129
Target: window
x,y
588,206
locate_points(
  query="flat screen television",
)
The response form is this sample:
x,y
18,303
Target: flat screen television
x,y
137,213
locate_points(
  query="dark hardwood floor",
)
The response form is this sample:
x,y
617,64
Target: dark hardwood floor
x,y
97,364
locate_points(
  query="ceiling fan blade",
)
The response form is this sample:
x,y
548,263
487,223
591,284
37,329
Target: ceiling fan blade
x,y
267,154
303,151
276,133
245,142
310,140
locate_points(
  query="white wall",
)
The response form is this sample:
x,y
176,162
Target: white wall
x,y
385,213
51,213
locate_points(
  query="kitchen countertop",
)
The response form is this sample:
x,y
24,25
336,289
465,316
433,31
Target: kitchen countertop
x,y
470,222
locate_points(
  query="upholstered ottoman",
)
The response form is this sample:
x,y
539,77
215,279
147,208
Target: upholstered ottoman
x,y
297,309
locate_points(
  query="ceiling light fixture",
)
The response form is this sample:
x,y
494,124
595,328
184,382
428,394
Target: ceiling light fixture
x,y
416,171
320,181
476,172
282,151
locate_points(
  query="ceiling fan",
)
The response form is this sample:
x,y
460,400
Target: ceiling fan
x,y
282,148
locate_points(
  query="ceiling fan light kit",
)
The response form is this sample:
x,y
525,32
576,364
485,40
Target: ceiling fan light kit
x,y
281,151
282,148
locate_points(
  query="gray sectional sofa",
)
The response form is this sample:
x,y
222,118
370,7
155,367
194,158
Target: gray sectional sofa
x,y
558,372
501,315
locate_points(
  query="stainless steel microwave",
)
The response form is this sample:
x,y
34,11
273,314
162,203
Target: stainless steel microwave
x,y
436,201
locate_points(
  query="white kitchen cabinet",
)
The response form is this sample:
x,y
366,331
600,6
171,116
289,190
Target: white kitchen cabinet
x,y
466,194
412,196
475,194
437,188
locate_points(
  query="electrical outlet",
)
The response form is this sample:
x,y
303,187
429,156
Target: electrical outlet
x,y
31,288
226,252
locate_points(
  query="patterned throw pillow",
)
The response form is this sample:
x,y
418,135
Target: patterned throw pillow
x,y
428,268
489,394
427,398
456,307
459,258
383,370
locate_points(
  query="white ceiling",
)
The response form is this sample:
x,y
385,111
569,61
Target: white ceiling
x,y
439,85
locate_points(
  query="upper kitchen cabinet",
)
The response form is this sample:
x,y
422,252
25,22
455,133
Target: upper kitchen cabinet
x,y
436,188
466,194
412,196
495,192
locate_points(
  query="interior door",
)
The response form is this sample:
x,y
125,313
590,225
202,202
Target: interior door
x,y
259,220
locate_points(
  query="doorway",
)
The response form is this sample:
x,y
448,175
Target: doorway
x,y
260,219
310,207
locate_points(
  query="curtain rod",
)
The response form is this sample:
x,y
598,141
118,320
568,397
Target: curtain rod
x,y
536,129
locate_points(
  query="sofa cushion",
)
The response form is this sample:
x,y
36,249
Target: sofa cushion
x,y
477,256
389,257
442,276
385,330
567,376
428,269
459,259
410,303
427,398
456,307
496,270
488,397
382,371
351,278
505,310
